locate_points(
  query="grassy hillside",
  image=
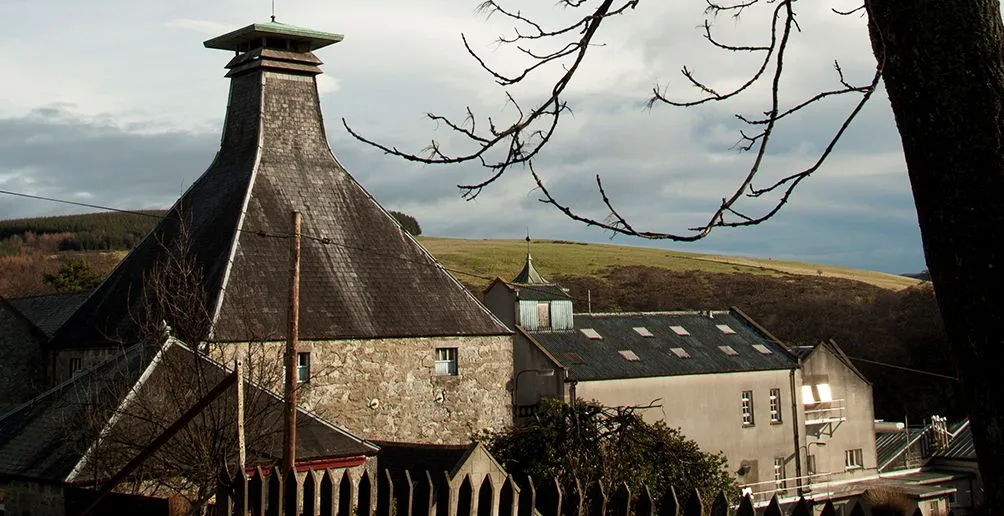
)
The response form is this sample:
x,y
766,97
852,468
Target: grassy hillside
x,y
558,257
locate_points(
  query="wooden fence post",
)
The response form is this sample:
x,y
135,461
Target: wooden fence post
x,y
720,507
669,505
773,508
828,509
802,508
621,500
275,492
527,498
746,507
694,505
644,505
385,495
549,497
405,495
596,500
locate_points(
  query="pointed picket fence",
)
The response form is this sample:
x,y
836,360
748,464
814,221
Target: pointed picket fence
x,y
338,493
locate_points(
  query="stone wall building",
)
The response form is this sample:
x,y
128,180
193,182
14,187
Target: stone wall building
x,y
391,345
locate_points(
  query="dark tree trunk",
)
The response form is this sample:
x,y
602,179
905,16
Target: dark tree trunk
x,y
944,73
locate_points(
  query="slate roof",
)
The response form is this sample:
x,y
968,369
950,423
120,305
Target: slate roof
x,y
417,458
592,359
362,275
45,439
48,312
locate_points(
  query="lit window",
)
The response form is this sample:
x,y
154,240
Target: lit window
x,y
680,352
852,458
680,330
302,367
643,331
807,398
747,407
825,395
764,350
775,405
446,361
726,329
591,333
75,366
779,473
629,355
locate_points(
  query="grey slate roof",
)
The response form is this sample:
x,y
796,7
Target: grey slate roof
x,y
362,275
48,312
590,359
539,292
45,438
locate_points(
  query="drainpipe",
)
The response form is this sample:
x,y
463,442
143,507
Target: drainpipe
x,y
794,428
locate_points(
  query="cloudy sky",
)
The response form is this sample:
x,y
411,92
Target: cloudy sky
x,y
117,103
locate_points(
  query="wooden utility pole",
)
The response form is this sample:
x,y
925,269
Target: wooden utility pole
x,y
292,334
242,449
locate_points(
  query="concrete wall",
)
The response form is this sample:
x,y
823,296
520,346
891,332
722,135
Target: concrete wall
x,y
532,387
857,431
387,389
22,364
707,409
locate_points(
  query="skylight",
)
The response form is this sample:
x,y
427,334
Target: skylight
x,y
591,333
574,358
726,329
762,349
643,331
680,330
728,350
680,352
628,355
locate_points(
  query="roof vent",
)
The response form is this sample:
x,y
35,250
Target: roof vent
x,y
575,358
764,350
729,351
726,329
591,333
643,331
680,352
628,355
680,330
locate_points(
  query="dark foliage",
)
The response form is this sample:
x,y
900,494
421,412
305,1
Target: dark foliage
x,y
72,276
407,222
89,232
586,443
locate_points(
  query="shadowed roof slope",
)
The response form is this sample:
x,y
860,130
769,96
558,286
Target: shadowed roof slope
x,y
362,275
48,312
635,345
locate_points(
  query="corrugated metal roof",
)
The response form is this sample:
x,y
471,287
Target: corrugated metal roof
x,y
48,312
961,445
601,359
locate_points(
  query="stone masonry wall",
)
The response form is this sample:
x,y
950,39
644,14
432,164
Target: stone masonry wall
x,y
22,367
387,389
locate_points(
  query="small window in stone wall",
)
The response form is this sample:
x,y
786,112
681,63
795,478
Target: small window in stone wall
x,y
76,364
446,361
302,367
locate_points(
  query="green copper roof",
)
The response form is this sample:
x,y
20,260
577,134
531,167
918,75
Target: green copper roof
x,y
236,39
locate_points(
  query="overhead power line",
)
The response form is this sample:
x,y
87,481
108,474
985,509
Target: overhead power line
x,y
910,369
75,203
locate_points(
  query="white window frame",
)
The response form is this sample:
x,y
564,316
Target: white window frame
x,y
779,480
746,404
303,367
775,405
853,459
446,362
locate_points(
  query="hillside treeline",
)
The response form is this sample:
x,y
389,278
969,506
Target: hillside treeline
x,y
90,232
902,328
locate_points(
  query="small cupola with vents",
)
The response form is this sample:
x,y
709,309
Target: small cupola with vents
x,y
530,301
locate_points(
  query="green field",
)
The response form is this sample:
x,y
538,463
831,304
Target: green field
x,y
504,258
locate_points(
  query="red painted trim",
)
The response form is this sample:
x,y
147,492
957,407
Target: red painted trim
x,y
315,464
